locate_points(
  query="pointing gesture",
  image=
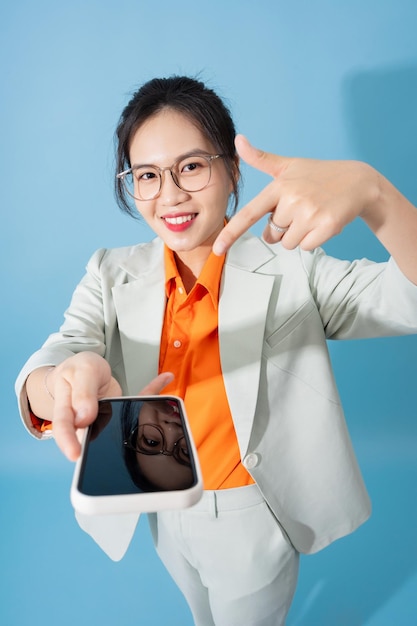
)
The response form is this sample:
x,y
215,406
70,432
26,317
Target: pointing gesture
x,y
308,201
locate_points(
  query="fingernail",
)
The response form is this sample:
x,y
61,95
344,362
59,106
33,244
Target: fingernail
x,y
219,248
80,416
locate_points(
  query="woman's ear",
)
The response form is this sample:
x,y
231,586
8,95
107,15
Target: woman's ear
x,y
236,172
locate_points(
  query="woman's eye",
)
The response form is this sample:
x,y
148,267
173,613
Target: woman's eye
x,y
145,176
148,442
191,167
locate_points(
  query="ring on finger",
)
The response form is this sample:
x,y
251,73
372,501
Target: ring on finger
x,y
278,229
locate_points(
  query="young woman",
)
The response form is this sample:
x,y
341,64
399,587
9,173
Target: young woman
x,y
243,330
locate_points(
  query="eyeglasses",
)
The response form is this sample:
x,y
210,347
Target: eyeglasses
x,y
149,439
189,173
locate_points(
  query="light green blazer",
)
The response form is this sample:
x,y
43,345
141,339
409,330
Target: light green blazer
x,y
277,309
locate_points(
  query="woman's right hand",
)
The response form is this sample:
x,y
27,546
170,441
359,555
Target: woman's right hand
x,y
76,386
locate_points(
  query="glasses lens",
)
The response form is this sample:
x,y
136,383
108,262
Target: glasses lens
x,y
181,452
143,183
193,173
150,439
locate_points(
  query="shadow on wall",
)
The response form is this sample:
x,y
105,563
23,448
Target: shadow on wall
x,y
380,106
381,114
356,578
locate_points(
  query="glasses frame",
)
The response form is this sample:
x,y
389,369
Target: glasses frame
x,y
128,443
208,157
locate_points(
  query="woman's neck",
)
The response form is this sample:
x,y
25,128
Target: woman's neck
x,y
189,266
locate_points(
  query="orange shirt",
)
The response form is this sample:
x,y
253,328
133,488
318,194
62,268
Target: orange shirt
x,y
38,423
190,349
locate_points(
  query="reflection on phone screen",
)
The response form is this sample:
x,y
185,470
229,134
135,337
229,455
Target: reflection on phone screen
x,y
137,446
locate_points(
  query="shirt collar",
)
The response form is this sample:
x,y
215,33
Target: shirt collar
x,y
209,277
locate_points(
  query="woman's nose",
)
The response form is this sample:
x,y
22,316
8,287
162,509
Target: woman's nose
x,y
172,432
170,193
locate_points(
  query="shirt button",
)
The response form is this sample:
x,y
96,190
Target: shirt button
x,y
251,461
177,343
181,290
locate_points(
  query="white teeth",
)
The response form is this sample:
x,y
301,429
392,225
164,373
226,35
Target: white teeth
x,y
179,220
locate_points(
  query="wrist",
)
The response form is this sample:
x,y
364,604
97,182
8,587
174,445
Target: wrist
x,y
47,384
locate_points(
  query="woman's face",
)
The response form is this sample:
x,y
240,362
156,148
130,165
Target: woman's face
x,y
188,222
164,459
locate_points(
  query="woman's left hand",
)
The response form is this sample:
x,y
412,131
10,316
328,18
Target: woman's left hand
x,y
309,201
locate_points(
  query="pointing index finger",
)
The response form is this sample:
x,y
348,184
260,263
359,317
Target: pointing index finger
x,y
265,202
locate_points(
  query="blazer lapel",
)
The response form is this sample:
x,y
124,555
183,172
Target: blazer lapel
x,y
243,308
140,307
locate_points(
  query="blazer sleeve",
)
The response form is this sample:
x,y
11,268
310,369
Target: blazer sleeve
x,y
361,299
83,329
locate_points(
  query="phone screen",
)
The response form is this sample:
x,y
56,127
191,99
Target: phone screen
x,y
137,445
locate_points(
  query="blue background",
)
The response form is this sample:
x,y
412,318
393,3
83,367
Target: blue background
x,y
309,77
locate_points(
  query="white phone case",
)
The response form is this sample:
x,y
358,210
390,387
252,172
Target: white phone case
x,y
139,500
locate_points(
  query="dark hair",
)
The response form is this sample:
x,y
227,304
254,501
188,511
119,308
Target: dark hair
x,y
194,100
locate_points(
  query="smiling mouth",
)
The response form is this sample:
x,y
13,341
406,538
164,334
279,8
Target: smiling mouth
x,y
180,219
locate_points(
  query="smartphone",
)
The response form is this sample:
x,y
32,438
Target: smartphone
x,y
138,456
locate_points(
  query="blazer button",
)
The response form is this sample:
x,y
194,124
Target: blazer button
x,y
251,460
